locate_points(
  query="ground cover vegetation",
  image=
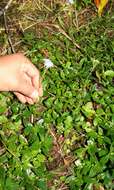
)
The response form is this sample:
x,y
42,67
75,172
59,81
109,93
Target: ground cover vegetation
x,y
66,140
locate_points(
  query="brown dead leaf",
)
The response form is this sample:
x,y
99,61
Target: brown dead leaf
x,y
45,52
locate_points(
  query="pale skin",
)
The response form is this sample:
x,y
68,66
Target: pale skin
x,y
20,76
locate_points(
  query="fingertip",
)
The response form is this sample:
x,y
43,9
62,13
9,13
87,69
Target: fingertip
x,y
29,101
40,91
20,97
34,94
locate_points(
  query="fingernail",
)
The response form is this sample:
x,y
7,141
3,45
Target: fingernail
x,y
34,94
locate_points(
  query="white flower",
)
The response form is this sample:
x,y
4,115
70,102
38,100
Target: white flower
x,y
71,1
40,121
90,142
29,172
78,163
90,186
48,63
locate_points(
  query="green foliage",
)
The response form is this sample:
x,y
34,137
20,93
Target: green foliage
x,y
82,3
26,144
78,102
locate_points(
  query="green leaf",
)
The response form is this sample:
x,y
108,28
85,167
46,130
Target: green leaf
x,y
104,160
2,177
3,119
109,73
68,122
10,184
95,169
42,184
88,110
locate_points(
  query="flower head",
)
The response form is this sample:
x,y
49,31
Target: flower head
x,y
90,142
71,1
40,121
48,63
78,162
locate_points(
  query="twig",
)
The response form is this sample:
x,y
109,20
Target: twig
x,y
58,146
46,7
3,12
7,32
6,7
76,20
17,43
65,34
33,24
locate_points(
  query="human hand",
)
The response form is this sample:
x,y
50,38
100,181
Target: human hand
x,y
19,75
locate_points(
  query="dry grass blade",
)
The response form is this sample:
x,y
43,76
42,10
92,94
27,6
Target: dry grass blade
x,y
7,32
58,146
6,7
46,7
65,34
55,141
